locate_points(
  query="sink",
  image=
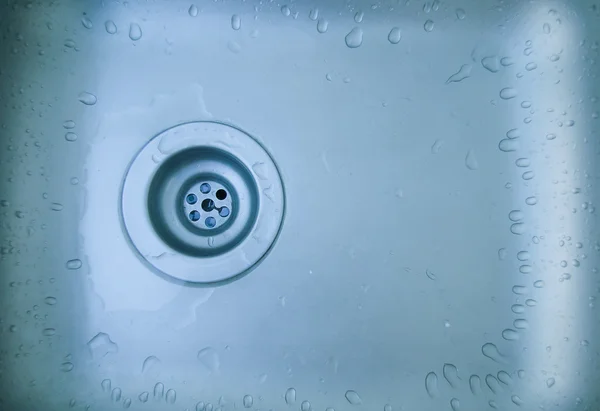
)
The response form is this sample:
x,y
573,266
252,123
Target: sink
x,y
401,211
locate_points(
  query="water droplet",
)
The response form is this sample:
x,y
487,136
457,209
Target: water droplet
x,y
70,44
143,397
50,300
313,14
506,61
460,14
69,124
516,400
106,385
455,404
491,63
471,160
200,406
507,93
526,104
209,358
101,345
502,254
450,373
430,274
386,407
285,10
159,390
248,401
528,175
428,26
86,22
358,16
193,10
550,382
110,27
66,366
354,38
70,136
522,162
353,397
395,35
127,403
322,25
507,145
87,98
135,31
48,332
431,384
236,22
517,228
475,384
513,133
74,264
290,396
492,383
516,215
171,396
531,201
491,351
546,28
151,365
510,334
116,394
305,406
530,66
463,73
539,284
436,147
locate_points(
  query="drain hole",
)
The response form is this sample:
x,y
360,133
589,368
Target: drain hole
x,y
221,194
205,188
194,215
191,199
208,205
224,212
210,222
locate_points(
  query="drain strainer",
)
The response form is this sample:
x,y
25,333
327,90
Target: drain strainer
x,y
202,202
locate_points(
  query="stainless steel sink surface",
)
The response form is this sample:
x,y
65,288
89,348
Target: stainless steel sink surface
x,y
304,206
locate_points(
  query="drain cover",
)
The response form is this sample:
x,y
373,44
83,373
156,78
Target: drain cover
x,y
202,202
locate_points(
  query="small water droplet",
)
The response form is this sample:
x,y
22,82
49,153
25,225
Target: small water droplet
x,y
523,162
455,404
491,351
436,147
87,98
116,394
353,397
285,10
395,35
531,201
507,145
69,124
70,43
322,25
475,384
248,401
101,345
66,366
463,73
106,385
48,332
305,406
471,160
358,16
74,264
502,254
110,27
430,274
528,175
236,22
460,14
516,400
159,390
209,358
171,396
508,93
143,397
539,284
431,384
135,31
86,22
530,66
510,334
450,373
516,215
428,26
386,407
193,10
313,14
517,228
354,38
260,170
150,365
50,300
127,403
546,28
200,406
491,63
70,136
290,396
550,382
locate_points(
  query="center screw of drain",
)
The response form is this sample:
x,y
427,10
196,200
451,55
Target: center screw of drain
x,y
208,205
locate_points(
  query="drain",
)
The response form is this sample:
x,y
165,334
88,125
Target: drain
x,y
202,202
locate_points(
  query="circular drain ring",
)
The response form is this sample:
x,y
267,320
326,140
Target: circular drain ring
x,y
170,165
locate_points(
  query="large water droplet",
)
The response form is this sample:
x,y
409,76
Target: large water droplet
x,y
455,404
428,26
395,35
491,64
491,351
248,401
431,384
87,98
285,10
475,384
74,264
354,38
116,394
463,73
451,374
322,25
290,396
353,397
151,365
522,162
471,160
209,358
143,397
171,396
516,215
507,145
159,390
510,334
106,385
313,14
518,228
101,345
86,22
193,10
507,93
236,22
110,27
135,31
493,383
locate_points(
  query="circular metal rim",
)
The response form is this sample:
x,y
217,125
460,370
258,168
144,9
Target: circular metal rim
x,y
192,269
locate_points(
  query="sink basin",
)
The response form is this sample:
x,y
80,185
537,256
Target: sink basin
x,y
410,195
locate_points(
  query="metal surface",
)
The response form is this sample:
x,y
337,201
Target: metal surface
x,y
440,246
